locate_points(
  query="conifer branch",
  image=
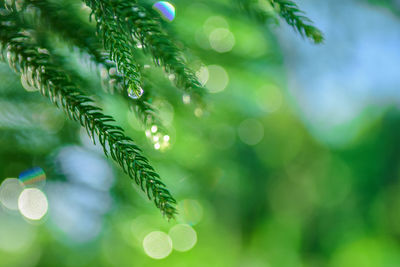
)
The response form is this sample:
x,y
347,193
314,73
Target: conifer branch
x,y
60,18
291,13
146,30
35,66
120,47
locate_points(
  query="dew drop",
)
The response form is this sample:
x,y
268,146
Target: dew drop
x,y
135,94
112,71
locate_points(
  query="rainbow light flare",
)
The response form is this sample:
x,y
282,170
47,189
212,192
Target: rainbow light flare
x,y
32,176
166,10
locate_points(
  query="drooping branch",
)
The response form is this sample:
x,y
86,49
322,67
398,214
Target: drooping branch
x,y
291,13
61,19
37,71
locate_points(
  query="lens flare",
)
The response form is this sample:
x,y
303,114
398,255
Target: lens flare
x,y
32,176
166,10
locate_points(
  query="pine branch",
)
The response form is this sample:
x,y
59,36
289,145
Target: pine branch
x,y
120,48
138,22
36,67
61,19
289,11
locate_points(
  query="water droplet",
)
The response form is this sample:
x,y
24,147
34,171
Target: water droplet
x,y
166,138
166,10
142,14
135,94
154,128
157,146
112,71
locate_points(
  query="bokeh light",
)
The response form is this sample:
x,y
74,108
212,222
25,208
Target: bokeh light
x,y
251,131
190,211
202,75
218,79
10,189
157,245
222,40
32,203
183,237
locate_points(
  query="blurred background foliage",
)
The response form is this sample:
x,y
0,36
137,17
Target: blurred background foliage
x,y
294,161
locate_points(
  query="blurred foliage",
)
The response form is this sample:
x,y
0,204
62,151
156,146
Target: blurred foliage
x,y
257,187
